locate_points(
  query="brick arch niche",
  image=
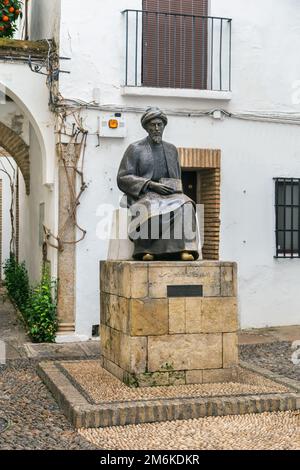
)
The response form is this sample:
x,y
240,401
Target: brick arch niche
x,y
18,149
206,166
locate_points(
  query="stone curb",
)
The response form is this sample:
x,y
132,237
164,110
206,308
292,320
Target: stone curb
x,y
84,415
291,383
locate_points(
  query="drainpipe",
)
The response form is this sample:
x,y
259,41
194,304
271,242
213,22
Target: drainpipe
x,y
26,20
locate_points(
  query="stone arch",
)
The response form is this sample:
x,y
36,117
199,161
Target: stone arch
x,y
33,102
18,149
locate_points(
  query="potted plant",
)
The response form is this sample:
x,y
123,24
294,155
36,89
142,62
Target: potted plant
x,y
10,11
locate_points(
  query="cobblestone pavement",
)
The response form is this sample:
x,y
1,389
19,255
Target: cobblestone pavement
x,y
266,431
29,416
276,357
31,419
11,330
36,422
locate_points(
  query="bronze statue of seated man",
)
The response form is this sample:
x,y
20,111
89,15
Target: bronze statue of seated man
x,y
164,224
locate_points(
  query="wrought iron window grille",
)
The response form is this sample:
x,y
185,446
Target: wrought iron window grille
x,y
287,212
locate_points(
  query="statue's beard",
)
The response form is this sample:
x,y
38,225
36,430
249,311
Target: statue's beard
x,y
157,139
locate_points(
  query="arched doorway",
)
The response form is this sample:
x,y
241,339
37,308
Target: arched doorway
x,y
27,202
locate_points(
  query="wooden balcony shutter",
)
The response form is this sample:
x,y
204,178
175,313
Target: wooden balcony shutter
x,y
175,48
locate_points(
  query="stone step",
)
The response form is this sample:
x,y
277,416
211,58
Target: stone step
x,y
90,397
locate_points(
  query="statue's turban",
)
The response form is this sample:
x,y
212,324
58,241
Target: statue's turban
x,y
153,113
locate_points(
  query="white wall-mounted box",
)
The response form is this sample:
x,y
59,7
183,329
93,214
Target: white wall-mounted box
x,y
106,131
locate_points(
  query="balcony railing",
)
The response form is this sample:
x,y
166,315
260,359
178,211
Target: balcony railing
x,y
173,50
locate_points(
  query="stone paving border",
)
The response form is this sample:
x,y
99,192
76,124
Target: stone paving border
x,y
84,415
274,376
57,351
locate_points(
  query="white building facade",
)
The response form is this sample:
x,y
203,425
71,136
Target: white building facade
x,y
227,74
27,144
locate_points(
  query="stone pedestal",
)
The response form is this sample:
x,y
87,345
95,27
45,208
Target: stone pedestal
x,y
169,323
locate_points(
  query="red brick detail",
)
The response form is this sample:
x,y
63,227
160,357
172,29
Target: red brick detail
x,y
208,163
18,149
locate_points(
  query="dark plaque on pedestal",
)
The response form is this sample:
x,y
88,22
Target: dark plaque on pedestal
x,y
185,291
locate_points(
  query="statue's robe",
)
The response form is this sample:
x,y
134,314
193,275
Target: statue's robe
x,y
159,224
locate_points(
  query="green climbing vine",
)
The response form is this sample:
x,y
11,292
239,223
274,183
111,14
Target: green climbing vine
x,y
17,282
37,304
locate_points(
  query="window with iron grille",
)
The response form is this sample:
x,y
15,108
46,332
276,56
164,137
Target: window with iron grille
x,y
287,206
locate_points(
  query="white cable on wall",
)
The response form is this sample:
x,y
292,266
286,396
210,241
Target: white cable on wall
x,y
279,118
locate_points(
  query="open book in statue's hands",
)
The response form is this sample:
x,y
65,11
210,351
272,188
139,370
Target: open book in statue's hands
x,y
175,184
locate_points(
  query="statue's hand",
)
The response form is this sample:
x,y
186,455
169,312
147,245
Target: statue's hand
x,y
160,188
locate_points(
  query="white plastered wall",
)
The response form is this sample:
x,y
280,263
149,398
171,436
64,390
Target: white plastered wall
x,y
30,246
265,69
44,19
6,205
30,94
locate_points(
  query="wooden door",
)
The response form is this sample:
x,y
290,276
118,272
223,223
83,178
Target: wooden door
x,y
189,184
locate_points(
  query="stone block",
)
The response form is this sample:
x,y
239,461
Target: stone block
x,y
139,281
176,315
130,380
103,307
153,379
219,315
275,403
185,352
192,273
218,376
78,417
227,287
211,315
230,406
123,275
138,355
160,277
194,376
115,312
115,346
230,349
127,353
109,280
193,315
124,278
122,414
208,277
149,317
235,279
103,276
112,368
177,378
